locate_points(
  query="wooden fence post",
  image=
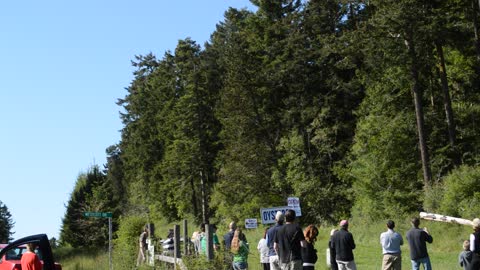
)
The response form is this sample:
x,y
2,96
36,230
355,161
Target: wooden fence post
x,y
176,241
186,239
209,238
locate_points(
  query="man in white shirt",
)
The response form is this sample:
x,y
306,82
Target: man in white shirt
x,y
391,242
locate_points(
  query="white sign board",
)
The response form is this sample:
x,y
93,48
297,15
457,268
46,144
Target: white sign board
x,y
294,203
251,223
268,214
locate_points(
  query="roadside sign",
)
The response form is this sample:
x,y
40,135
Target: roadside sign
x,y
251,223
98,214
294,202
109,216
268,214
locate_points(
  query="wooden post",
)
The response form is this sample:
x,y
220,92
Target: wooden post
x,y
209,238
176,241
186,239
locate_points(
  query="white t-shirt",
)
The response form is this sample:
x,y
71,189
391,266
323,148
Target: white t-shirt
x,y
263,249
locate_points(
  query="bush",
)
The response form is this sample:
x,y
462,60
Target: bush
x,y
462,193
126,245
433,198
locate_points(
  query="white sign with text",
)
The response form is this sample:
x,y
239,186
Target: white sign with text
x,y
294,203
268,214
251,223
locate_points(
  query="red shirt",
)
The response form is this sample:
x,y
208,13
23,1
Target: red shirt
x,y
30,261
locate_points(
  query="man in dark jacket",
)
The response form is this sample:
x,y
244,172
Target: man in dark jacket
x,y
342,242
417,240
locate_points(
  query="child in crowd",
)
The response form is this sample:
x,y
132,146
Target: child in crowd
x,y
465,256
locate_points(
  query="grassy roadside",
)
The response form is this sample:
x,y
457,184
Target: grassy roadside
x,y
447,244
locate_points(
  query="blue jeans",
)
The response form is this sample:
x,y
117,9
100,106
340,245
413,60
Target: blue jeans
x,y
425,261
240,265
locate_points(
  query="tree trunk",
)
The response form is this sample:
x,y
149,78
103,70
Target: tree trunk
x,y
203,185
475,28
447,103
194,197
417,96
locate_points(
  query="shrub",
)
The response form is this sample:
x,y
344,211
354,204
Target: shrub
x,y
462,193
126,245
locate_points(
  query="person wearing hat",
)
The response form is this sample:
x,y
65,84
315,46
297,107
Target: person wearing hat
x,y
343,243
391,242
271,233
475,245
417,240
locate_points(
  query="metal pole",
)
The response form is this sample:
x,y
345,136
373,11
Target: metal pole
x,y
110,243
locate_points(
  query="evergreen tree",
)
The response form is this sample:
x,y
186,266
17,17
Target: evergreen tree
x,y
91,194
6,224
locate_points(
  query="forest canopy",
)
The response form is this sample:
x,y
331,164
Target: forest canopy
x,y
365,108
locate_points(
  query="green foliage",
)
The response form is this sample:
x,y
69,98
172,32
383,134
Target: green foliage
x,y
6,224
462,192
126,245
91,194
201,262
324,99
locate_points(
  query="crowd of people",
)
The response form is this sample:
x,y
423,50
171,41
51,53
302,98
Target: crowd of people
x,y
284,246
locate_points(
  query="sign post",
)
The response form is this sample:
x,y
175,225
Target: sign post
x,y
109,216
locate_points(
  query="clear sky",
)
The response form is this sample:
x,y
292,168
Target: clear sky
x,y
63,65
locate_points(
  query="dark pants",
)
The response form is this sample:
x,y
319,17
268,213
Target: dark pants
x,y
266,266
475,264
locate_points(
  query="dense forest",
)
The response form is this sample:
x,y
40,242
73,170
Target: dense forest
x,y
363,108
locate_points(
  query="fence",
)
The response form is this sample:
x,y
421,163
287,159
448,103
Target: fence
x,y
189,248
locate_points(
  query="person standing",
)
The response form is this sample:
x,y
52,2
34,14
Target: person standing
x,y
271,233
417,240
263,250
143,246
344,245
475,245
227,243
391,242
465,257
309,253
228,237
333,254
289,242
30,260
203,238
240,250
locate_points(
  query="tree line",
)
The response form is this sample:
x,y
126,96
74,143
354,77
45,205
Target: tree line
x,y
367,108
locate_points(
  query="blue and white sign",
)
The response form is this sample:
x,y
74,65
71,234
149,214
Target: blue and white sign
x,y
294,203
251,223
268,214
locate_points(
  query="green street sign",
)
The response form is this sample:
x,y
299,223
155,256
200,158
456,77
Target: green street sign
x,y
98,214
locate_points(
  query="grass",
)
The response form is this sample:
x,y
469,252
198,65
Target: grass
x,y
447,244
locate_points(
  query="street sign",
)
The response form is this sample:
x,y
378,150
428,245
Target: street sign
x,y
268,214
109,216
294,202
98,214
251,223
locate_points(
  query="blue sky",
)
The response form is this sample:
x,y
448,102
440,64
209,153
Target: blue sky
x,y
63,65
